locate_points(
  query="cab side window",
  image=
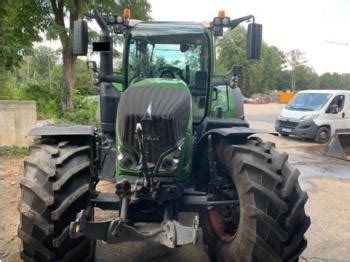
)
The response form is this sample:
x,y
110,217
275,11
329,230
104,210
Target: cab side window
x,y
337,102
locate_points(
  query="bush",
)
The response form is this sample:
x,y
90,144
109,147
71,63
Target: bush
x,y
46,98
84,112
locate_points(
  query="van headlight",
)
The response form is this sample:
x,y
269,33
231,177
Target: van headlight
x,y
309,117
126,159
171,161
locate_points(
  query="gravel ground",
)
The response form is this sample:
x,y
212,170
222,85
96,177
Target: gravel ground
x,y
327,181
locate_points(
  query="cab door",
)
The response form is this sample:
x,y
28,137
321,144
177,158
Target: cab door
x,y
339,108
346,118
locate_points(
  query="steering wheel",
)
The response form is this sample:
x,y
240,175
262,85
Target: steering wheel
x,y
167,74
171,72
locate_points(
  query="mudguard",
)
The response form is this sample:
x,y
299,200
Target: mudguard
x,y
62,130
235,131
237,135
238,132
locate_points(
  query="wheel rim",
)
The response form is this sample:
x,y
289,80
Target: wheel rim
x,y
218,224
224,220
324,135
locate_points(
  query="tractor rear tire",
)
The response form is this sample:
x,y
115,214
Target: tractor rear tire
x,y
55,187
271,220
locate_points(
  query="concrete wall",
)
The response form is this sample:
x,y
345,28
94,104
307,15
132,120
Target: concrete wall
x,y
16,119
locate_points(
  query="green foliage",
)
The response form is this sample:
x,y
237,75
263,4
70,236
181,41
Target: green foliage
x,y
257,76
84,112
335,81
21,23
46,99
40,78
306,78
13,150
275,70
83,84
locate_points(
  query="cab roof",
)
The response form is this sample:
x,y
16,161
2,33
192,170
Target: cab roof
x,y
181,25
170,32
153,28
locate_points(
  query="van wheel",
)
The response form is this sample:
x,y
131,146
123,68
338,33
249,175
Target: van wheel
x,y
284,134
323,135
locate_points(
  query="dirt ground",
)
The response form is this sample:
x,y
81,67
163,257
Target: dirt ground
x,y
327,181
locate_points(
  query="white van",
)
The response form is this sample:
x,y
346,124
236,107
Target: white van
x,y
316,114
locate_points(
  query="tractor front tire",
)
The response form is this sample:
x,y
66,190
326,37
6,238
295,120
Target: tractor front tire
x,y
55,187
270,217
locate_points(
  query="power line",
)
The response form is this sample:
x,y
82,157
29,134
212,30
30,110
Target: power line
x,y
337,43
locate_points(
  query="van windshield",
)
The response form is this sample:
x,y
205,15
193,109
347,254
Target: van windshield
x,y
308,101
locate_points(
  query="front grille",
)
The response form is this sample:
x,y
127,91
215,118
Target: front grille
x,y
163,113
287,123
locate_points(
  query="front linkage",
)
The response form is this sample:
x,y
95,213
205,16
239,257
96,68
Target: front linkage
x,y
173,196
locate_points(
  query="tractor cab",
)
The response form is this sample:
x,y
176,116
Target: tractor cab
x,y
171,52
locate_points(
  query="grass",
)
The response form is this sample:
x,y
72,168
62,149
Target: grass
x,y
13,150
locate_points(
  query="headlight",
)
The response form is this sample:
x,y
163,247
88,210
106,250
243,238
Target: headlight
x,y
126,159
309,117
170,162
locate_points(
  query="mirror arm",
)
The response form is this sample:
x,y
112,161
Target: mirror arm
x,y
88,15
235,22
111,78
101,22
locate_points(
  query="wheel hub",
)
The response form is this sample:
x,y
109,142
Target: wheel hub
x,y
218,224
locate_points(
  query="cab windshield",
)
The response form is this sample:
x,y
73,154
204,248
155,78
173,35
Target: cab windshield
x,y
157,60
309,101
168,52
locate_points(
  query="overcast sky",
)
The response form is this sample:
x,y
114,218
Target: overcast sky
x,y
288,24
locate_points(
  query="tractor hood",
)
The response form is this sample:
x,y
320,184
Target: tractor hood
x,y
163,107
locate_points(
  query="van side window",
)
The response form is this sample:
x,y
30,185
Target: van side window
x,y
338,101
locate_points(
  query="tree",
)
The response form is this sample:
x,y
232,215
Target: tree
x,y
23,20
335,81
21,23
295,58
64,13
306,78
272,59
257,76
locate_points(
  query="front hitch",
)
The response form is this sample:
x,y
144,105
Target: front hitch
x,y
170,234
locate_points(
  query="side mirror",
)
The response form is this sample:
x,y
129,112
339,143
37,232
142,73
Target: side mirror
x,y
333,109
254,41
80,38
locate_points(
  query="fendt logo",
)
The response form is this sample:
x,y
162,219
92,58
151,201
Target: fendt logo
x,y
148,113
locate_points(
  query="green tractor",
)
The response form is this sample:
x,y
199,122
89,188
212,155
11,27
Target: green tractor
x,y
173,137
